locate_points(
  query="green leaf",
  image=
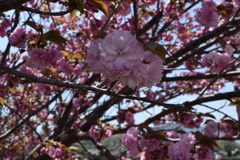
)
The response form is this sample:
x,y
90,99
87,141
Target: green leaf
x,y
80,7
33,25
205,141
77,56
207,115
1,102
208,121
227,121
156,49
100,35
101,6
234,104
73,13
54,36
79,34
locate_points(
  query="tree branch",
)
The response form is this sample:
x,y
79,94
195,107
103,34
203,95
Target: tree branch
x,y
32,10
205,37
152,22
6,5
80,86
203,99
27,117
104,150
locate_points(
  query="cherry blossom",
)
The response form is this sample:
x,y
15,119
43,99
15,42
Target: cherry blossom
x,y
18,37
116,59
206,16
211,128
36,58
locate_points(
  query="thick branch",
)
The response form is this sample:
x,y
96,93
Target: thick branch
x,y
152,22
104,150
6,5
99,111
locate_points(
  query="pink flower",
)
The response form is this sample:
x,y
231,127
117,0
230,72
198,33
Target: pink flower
x,y
229,129
119,56
3,26
64,66
216,61
72,158
181,29
211,128
36,58
171,134
116,56
228,49
123,158
129,118
203,153
169,9
130,140
107,133
125,10
133,152
154,68
18,37
43,150
121,117
120,52
206,16
178,152
93,58
94,133
236,3
149,145
181,149
188,139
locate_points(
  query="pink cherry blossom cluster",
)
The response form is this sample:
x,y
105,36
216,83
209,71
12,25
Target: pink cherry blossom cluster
x,y
202,153
150,147
119,56
39,59
3,26
216,61
206,15
185,149
18,37
57,152
226,129
99,134
229,129
187,120
211,129
125,116
181,149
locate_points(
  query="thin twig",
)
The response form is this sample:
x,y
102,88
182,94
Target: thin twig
x,y
86,150
32,10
